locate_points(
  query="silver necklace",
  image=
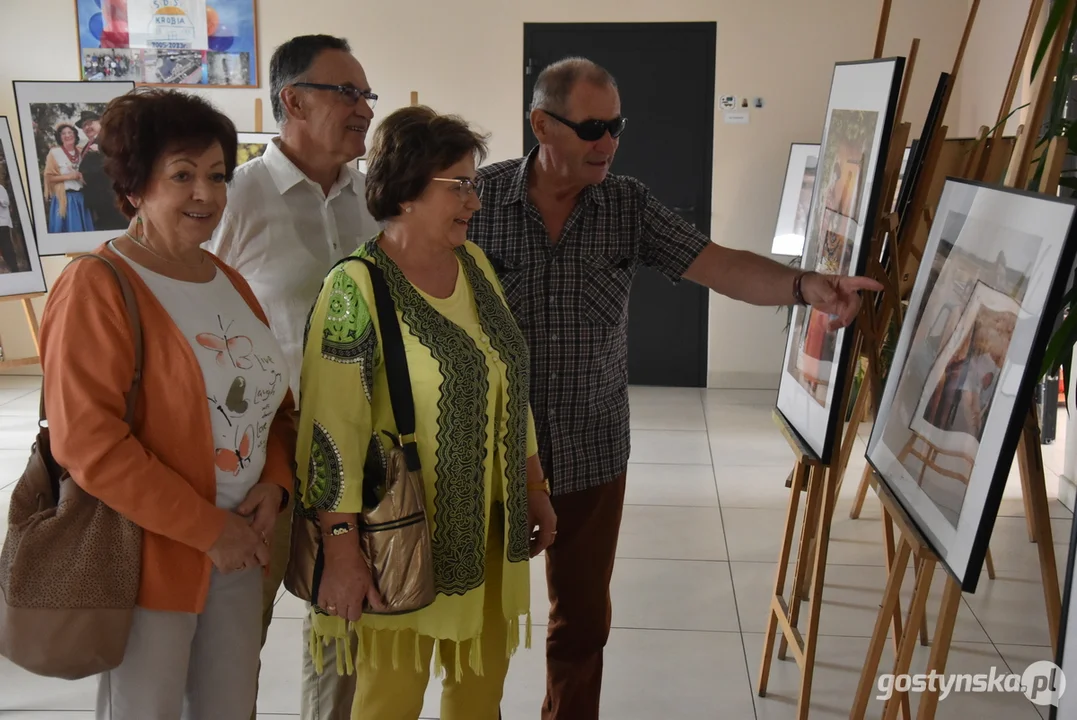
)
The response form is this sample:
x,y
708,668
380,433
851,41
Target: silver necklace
x,y
151,251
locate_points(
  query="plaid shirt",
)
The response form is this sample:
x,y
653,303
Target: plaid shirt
x,y
571,301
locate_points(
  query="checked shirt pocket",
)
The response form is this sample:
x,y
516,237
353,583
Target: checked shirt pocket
x,y
606,287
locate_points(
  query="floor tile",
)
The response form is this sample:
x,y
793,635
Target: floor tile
x,y
666,409
756,536
672,533
25,691
673,595
1019,657
28,404
684,485
670,447
282,664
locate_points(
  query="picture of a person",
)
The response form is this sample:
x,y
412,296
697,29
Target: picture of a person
x,y
64,184
97,191
7,229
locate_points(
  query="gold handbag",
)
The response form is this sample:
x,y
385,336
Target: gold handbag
x,y
393,531
70,565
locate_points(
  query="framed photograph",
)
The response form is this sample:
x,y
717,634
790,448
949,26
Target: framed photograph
x,y
212,43
911,167
856,138
20,266
796,199
251,146
71,198
966,362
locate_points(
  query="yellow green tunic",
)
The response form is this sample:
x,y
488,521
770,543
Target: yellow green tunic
x,y
468,363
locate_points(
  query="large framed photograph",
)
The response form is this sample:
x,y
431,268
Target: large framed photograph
x,y
252,145
71,198
20,266
856,138
212,43
796,199
966,362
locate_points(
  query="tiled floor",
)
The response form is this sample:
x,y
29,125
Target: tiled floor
x,y
696,563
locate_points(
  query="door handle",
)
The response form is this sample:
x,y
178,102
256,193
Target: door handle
x,y
689,209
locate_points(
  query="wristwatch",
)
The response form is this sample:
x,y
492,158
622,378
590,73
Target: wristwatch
x,y
341,528
543,486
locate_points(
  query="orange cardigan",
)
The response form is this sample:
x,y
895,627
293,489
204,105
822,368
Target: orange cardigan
x,y
162,477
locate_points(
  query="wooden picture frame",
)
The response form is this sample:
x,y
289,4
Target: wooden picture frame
x,y
220,51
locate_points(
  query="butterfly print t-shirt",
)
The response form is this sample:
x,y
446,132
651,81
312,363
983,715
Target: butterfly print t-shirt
x,y
246,377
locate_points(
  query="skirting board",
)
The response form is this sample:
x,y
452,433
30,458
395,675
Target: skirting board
x,y
730,380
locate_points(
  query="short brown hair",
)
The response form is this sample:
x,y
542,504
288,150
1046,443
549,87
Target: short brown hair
x,y
410,145
138,127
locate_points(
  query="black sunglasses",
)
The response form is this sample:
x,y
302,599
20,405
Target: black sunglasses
x,y
592,130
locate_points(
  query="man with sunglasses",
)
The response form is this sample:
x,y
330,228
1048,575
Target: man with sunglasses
x,y
566,237
291,214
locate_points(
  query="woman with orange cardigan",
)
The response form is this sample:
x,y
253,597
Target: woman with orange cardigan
x,y
208,465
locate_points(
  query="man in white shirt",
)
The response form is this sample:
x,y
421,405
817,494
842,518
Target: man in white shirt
x,y
291,214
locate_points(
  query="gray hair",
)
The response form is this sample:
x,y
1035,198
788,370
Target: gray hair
x,y
555,82
292,60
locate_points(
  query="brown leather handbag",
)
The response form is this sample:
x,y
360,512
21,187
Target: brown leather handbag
x,y
70,565
393,532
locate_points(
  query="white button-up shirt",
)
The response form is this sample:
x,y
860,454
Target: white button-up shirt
x,y
283,233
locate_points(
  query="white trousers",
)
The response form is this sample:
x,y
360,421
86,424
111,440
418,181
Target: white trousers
x,y
183,666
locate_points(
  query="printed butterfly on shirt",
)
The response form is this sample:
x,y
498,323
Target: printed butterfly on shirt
x,y
235,459
236,350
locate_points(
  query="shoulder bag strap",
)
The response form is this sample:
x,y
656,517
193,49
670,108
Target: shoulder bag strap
x,y
396,361
135,322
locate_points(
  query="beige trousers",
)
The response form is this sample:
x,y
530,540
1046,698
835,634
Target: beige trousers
x,y
183,666
325,696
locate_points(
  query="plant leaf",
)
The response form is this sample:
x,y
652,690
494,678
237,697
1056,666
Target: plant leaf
x,y
1061,343
1049,30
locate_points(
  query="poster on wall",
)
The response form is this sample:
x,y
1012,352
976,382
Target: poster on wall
x,y
20,266
71,198
211,43
856,137
967,360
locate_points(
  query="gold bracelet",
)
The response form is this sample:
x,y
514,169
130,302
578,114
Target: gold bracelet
x,y
543,486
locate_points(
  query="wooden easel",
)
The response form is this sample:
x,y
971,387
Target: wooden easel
x,y
32,324
817,480
1028,455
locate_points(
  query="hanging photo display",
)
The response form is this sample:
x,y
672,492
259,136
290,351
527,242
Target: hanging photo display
x,y
20,266
856,137
169,42
71,198
967,360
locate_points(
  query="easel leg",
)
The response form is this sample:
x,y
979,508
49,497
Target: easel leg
x,y
990,565
940,650
811,510
1029,449
1026,492
811,639
799,480
908,638
888,543
856,418
861,494
31,321
891,599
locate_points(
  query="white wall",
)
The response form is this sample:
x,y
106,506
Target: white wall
x,y
466,57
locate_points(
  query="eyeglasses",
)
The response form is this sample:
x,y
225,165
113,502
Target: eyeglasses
x,y
592,130
350,94
464,186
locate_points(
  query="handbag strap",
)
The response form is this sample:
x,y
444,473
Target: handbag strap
x,y
135,322
396,361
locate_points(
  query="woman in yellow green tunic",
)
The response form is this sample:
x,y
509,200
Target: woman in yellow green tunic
x,y
487,501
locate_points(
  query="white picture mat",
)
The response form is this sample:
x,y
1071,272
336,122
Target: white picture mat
x,y
860,86
25,282
786,241
27,94
1045,219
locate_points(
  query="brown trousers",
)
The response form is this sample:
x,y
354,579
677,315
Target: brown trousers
x,y
579,566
